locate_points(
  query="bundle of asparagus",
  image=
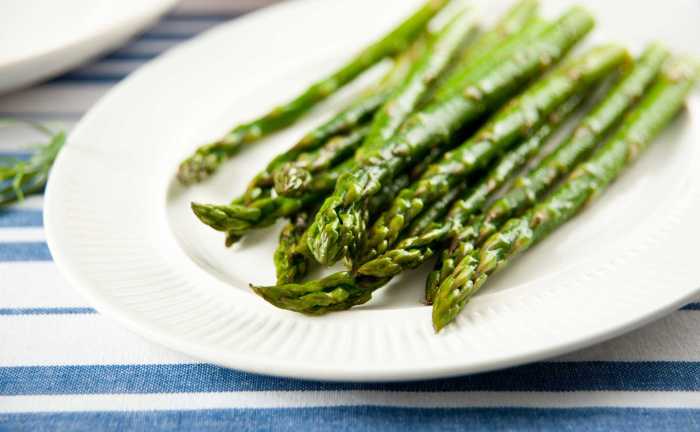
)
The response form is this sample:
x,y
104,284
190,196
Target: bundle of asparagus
x,y
448,155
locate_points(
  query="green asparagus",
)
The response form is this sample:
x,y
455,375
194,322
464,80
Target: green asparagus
x,y
208,158
445,46
238,219
19,178
292,258
290,264
358,112
400,104
517,25
602,118
587,181
414,250
293,178
426,235
339,226
529,188
513,122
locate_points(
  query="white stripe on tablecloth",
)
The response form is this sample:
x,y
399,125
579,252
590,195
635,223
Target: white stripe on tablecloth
x,y
301,399
34,202
36,285
21,235
92,339
76,340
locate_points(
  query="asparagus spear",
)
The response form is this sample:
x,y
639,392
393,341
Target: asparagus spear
x,y
360,111
293,178
208,158
418,246
403,101
339,291
513,122
517,25
339,225
529,188
239,219
587,181
437,210
601,119
511,162
292,258
445,46
414,250
291,265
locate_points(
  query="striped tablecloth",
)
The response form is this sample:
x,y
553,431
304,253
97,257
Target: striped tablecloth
x,y
65,367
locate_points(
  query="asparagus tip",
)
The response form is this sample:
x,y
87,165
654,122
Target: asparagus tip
x,y
225,217
291,180
196,168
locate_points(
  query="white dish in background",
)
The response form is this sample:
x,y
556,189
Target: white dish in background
x,y
123,234
43,38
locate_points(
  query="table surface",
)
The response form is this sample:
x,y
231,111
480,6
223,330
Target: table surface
x,y
65,367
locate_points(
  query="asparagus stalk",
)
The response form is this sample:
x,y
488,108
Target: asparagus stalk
x,y
511,162
339,226
528,189
437,210
208,158
513,122
239,219
403,101
290,264
337,292
444,47
419,246
259,190
587,181
581,142
293,178
512,22
517,25
294,260
414,250
358,112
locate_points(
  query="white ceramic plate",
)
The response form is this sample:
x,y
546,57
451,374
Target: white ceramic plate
x,y
123,234
43,38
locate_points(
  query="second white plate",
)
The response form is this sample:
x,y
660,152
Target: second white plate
x,y
123,234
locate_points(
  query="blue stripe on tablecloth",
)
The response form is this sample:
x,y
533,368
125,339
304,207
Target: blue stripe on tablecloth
x,y
47,311
185,16
43,115
691,307
24,155
360,418
126,55
167,36
88,78
22,218
24,251
187,378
